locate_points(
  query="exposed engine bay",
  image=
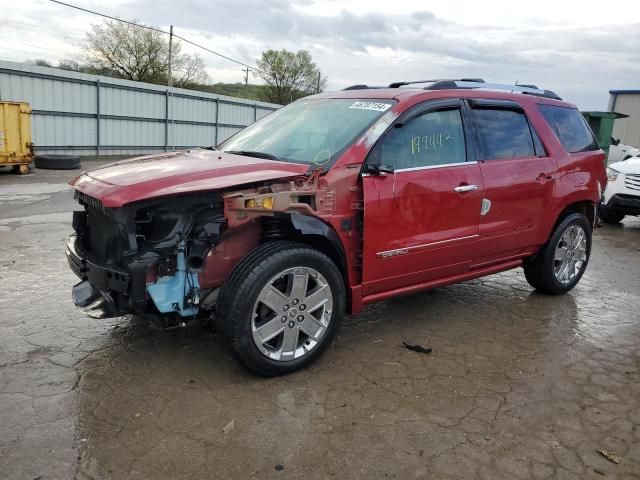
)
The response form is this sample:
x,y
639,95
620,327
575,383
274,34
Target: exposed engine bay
x,y
143,257
167,258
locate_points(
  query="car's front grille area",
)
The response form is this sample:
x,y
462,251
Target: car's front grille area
x,y
632,181
89,201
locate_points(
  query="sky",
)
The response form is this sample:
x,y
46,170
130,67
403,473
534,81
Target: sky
x,y
579,49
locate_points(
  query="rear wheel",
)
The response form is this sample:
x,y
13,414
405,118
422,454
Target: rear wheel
x,y
560,264
281,307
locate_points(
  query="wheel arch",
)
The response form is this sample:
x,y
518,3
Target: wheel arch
x,y
320,235
585,207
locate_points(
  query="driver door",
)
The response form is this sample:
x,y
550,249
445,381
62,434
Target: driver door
x,y
422,198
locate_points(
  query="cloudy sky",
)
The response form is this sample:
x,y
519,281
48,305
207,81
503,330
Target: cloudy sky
x,y
579,49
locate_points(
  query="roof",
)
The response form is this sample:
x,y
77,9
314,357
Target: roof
x,y
625,92
404,94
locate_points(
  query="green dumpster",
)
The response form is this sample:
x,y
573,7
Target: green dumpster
x,y
602,125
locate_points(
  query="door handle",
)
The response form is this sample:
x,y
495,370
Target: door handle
x,y
465,188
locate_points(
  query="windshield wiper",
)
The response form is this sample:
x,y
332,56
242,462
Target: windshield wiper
x,y
251,153
211,147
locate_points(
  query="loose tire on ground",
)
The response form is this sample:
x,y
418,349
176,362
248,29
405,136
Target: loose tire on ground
x,y
280,265
57,162
541,270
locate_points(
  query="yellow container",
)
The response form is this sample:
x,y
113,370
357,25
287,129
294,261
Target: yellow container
x,y
16,148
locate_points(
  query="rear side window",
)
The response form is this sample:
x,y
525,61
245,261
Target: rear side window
x,y
503,133
570,127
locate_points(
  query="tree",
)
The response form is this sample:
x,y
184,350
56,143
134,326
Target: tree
x,y
289,76
129,51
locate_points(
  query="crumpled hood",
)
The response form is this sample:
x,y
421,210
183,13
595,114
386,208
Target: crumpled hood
x,y
175,173
631,165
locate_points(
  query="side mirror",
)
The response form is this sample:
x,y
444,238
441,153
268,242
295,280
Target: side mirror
x,y
374,169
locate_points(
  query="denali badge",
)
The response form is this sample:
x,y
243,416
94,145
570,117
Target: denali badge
x,y
393,253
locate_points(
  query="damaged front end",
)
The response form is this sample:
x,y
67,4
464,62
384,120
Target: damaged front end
x,y
143,257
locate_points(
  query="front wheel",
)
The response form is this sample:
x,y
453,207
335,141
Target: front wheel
x,y
560,264
281,307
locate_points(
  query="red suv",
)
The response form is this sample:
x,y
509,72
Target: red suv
x,y
336,201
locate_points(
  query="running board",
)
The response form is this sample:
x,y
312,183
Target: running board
x,y
461,277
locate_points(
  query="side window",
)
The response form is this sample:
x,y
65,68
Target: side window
x,y
537,143
503,133
434,138
570,127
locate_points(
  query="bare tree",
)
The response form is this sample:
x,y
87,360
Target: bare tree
x,y
289,76
135,53
189,71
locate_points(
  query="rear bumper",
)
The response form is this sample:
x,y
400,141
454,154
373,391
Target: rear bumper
x,y
622,203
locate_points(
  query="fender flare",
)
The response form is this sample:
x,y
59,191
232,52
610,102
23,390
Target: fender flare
x,y
307,225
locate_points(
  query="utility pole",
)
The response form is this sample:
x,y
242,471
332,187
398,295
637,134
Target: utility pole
x,y
170,79
246,80
169,85
318,87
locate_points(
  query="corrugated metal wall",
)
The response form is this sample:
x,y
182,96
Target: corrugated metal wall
x,y
626,129
85,114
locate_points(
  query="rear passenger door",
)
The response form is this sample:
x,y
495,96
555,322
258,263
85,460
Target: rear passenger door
x,y
518,177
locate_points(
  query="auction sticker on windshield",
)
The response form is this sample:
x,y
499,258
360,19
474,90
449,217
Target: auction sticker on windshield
x,y
378,107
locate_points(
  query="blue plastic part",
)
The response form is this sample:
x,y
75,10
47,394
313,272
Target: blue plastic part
x,y
169,293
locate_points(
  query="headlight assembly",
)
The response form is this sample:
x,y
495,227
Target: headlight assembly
x,y
612,174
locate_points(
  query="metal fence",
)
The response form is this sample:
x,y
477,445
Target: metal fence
x,y
83,114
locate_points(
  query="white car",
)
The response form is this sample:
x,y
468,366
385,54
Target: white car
x,y
619,151
622,195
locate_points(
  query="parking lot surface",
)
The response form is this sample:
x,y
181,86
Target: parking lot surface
x,y
519,385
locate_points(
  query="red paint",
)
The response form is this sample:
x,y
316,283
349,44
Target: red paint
x,y
440,233
177,173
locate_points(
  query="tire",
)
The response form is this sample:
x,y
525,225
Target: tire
x,y
251,311
544,271
57,162
612,217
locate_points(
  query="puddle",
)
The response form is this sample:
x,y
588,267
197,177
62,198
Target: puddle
x,y
32,189
64,217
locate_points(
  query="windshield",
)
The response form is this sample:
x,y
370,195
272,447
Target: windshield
x,y
311,131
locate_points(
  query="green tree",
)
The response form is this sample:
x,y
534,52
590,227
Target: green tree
x,y
289,75
134,53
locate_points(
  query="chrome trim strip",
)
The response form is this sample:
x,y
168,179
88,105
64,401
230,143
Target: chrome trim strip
x,y
428,167
405,250
431,167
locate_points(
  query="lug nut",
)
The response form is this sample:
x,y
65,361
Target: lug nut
x,y
303,307
283,319
285,308
292,324
295,301
300,318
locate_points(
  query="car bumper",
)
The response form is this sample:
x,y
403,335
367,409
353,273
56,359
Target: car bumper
x,y
622,203
101,277
100,287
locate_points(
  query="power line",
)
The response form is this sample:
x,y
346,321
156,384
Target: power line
x,y
155,30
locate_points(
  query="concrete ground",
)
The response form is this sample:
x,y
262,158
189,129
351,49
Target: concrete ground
x,y
519,385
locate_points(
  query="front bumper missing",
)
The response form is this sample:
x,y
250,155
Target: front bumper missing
x,y
92,302
93,295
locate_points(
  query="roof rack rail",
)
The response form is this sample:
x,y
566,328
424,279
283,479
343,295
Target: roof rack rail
x,y
359,87
462,83
524,89
402,84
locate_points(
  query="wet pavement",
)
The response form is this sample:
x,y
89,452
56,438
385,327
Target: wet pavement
x,y
519,385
